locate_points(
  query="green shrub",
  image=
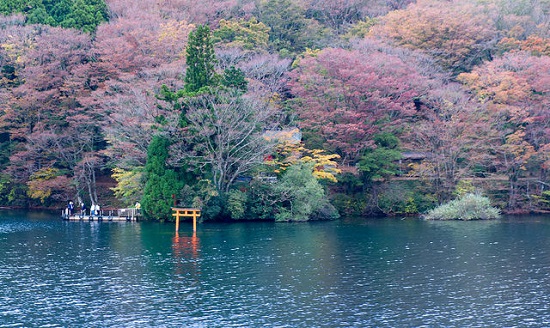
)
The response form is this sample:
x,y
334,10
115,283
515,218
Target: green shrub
x,y
236,204
350,204
302,196
467,207
403,198
543,199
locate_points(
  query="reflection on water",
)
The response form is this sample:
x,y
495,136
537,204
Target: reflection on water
x,y
356,273
185,251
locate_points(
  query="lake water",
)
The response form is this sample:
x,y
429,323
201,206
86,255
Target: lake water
x,y
347,273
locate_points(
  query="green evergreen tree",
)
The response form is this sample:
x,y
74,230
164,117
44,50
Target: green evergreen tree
x,y
200,60
59,9
380,162
234,78
84,15
40,16
161,183
14,6
287,23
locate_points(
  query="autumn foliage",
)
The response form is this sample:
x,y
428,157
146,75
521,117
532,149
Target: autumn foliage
x,y
463,86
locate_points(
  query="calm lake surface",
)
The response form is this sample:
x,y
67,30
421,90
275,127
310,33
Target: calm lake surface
x,y
348,273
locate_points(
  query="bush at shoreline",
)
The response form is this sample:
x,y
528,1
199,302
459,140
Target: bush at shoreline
x,y
467,207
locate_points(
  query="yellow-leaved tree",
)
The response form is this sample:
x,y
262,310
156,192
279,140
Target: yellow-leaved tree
x,y
290,153
47,182
129,188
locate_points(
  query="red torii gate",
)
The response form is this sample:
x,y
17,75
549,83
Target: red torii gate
x,y
186,212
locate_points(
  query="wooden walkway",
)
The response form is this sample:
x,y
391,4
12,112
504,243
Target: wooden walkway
x,y
125,214
100,218
132,214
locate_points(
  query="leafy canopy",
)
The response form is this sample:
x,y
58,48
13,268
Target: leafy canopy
x,y
302,196
380,162
84,15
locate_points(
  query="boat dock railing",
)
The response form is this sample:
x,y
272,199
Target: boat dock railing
x,y
129,212
123,214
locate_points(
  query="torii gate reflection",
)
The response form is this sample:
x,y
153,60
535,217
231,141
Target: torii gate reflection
x,y
185,250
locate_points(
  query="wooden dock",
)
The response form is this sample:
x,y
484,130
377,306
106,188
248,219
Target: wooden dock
x,y
121,215
97,218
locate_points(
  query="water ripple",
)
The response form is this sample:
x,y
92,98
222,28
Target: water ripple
x,y
56,274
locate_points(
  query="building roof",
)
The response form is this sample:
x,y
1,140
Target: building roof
x,y
293,135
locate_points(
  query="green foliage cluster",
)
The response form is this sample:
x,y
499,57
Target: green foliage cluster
x,y
234,78
84,15
11,193
204,195
201,74
467,207
247,34
350,204
5,149
302,196
382,198
403,198
360,29
161,183
236,204
381,162
5,187
291,32
200,60
543,199
129,185
296,196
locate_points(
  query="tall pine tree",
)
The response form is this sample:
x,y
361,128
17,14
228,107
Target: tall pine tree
x,y
161,182
200,60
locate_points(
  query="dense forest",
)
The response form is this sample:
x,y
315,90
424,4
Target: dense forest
x,y
275,109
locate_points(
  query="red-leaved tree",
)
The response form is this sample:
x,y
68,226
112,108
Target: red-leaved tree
x,y
347,96
516,90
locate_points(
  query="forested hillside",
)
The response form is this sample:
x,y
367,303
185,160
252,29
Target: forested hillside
x,y
269,109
